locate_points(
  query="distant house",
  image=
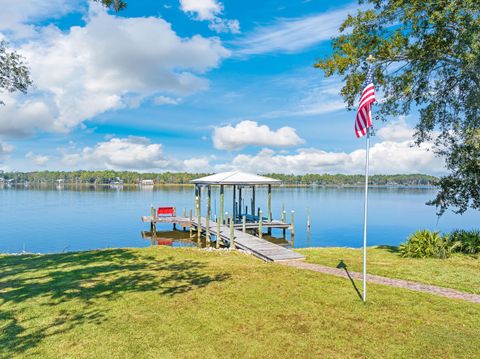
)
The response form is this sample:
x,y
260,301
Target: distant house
x,y
117,181
147,182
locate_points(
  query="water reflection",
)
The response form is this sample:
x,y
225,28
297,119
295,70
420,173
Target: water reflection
x,y
52,217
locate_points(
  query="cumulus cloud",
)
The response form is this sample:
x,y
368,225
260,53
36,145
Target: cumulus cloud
x,y
210,10
16,17
131,153
293,35
37,159
396,131
389,156
119,153
251,133
5,151
165,100
84,72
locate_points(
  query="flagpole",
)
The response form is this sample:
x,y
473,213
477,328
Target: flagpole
x,y
367,150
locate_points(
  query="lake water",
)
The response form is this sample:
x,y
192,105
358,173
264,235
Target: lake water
x,y
67,219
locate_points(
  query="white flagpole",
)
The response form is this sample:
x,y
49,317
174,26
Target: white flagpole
x,y
367,148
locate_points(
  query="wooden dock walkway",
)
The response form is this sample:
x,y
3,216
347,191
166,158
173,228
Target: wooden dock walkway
x,y
260,248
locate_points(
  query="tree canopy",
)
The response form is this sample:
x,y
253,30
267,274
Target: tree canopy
x,y
116,5
14,73
427,59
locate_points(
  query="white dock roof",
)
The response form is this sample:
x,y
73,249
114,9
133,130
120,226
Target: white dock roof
x,y
235,178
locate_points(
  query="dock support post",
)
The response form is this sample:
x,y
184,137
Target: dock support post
x,y
191,224
207,234
284,219
308,218
260,224
199,222
234,209
184,215
222,202
244,223
293,222
253,200
239,201
217,244
269,203
152,216
269,208
232,239
174,215
209,210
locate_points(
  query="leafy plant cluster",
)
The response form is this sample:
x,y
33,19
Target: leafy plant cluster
x,y
428,244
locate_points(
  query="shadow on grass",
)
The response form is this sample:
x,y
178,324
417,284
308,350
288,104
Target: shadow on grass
x,y
343,265
82,283
391,249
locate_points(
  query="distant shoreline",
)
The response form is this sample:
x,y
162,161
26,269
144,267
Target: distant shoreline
x,y
160,185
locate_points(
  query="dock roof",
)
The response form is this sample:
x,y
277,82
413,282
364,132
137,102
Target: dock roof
x,y
236,178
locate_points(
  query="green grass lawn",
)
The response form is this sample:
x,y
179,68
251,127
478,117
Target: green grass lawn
x,y
190,303
460,272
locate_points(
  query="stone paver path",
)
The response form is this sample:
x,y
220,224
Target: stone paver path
x,y
371,278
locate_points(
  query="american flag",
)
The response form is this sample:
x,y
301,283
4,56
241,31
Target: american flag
x,y
363,119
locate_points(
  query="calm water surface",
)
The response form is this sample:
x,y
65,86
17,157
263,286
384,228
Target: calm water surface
x,y
67,219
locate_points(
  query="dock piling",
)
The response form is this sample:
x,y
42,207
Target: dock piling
x,y
308,218
232,239
260,224
217,244
244,223
191,224
199,227
293,222
207,233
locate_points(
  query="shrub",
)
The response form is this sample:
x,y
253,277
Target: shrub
x,y
427,244
469,241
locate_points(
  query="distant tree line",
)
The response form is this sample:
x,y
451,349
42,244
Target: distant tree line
x,y
127,177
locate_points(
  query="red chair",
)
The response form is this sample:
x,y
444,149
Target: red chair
x,y
165,242
166,211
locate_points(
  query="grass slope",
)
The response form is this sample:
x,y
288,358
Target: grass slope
x,y
189,303
460,272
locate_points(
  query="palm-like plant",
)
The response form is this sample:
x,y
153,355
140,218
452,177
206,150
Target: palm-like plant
x,y
427,244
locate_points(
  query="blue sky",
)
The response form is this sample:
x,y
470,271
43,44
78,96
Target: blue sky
x,y
187,85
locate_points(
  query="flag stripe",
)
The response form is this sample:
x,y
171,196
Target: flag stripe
x,y
363,119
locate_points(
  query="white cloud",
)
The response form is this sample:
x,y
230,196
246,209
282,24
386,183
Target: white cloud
x,y
165,100
131,153
293,35
110,63
396,131
37,159
203,9
251,133
201,164
5,151
386,157
210,10
22,115
17,17
119,153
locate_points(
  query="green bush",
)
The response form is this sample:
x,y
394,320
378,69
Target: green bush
x,y
427,244
469,241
